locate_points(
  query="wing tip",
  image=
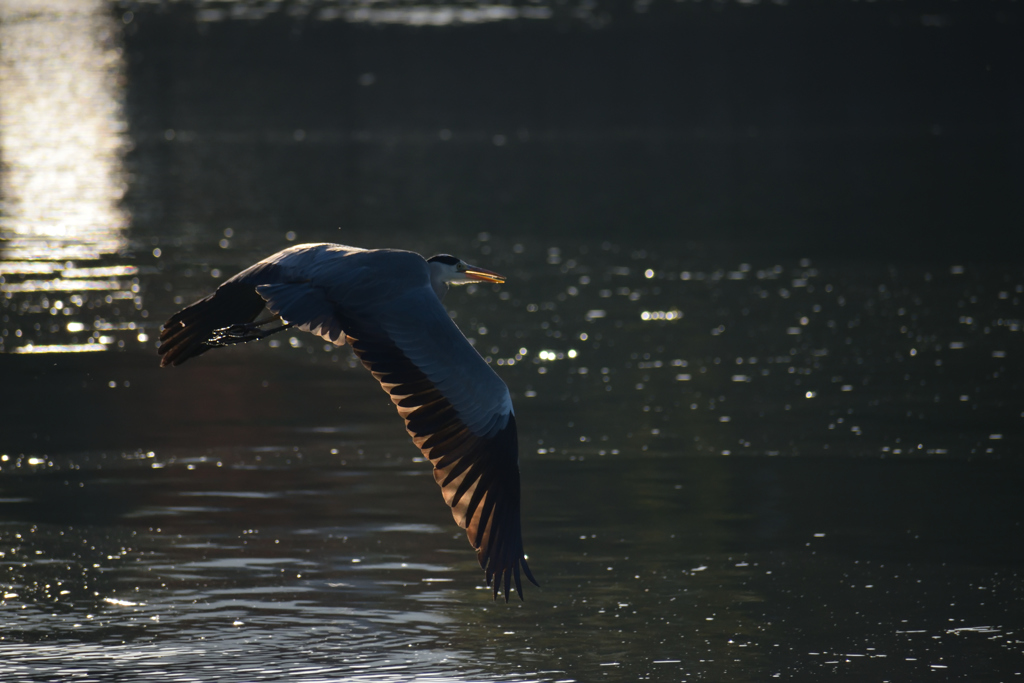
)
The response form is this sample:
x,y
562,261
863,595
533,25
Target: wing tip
x,y
502,580
188,333
478,475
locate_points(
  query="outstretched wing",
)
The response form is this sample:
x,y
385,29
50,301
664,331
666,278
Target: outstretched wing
x,y
192,330
200,327
456,409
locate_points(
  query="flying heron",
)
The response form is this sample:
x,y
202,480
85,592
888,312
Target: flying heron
x,y
386,304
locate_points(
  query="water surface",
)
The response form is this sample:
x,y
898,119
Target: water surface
x,y
766,366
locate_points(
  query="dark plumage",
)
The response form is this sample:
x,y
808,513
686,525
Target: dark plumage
x,y
387,305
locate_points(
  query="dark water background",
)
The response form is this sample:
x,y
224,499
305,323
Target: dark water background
x,y
762,330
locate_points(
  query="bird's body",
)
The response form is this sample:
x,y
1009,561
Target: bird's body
x,y
387,305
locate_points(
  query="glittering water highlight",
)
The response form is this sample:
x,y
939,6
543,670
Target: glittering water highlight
x,y
769,424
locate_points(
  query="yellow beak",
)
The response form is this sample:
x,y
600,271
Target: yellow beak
x,y
484,275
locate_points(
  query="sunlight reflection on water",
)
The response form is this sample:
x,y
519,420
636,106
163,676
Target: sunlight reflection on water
x,y
62,139
137,661
693,423
713,558
61,131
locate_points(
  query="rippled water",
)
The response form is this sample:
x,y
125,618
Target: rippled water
x,y
803,472
742,457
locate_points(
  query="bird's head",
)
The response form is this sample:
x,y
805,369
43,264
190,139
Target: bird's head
x,y
450,270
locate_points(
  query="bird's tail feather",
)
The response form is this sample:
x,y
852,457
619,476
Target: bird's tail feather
x,y
190,331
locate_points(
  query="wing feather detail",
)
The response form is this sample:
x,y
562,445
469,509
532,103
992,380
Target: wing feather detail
x,y
190,331
478,476
457,411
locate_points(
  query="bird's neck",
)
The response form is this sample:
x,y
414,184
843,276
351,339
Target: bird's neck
x,y
438,283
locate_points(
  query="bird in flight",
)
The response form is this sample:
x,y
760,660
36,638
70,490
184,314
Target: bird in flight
x,y
386,305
